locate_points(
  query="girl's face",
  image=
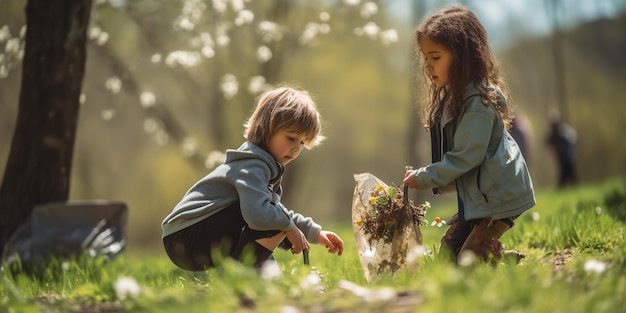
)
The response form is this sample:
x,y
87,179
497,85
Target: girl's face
x,y
285,146
437,59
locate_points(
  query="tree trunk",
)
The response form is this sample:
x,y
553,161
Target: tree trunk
x,y
39,164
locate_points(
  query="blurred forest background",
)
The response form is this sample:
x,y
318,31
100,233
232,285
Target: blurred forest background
x,y
169,85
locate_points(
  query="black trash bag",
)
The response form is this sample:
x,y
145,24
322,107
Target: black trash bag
x,y
67,230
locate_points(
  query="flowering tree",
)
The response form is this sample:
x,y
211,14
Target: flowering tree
x,y
231,49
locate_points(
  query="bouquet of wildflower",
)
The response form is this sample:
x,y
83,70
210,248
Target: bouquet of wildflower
x,y
386,227
387,214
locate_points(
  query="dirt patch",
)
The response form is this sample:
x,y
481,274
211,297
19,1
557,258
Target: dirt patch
x,y
560,259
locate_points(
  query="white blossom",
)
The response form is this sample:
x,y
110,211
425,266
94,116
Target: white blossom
x,y
207,52
214,158
12,47
185,59
270,31
244,17
237,5
150,125
257,84
220,5
189,146
324,16
114,84
369,9
147,99
5,33
229,86
263,54
389,36
107,114
156,58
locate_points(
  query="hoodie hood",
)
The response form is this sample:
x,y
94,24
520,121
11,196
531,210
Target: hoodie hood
x,y
248,150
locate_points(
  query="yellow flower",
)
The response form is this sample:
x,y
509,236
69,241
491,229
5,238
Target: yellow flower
x,y
438,221
372,199
379,187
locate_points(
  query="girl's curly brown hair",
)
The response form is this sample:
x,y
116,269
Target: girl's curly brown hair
x,y
460,30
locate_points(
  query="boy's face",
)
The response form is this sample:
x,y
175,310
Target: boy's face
x,y
285,146
437,59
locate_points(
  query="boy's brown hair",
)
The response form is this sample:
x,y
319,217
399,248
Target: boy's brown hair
x,y
284,108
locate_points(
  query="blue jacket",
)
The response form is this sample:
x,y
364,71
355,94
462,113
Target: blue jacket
x,y
477,156
250,176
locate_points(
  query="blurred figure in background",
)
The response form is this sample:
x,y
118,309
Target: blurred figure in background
x,y
562,139
522,131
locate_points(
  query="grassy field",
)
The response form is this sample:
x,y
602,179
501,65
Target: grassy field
x,y
576,262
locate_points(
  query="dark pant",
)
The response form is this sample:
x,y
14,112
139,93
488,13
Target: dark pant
x,y
224,234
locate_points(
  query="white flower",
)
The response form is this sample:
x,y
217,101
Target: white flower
x,y
383,294
417,252
467,258
535,216
427,204
289,309
126,286
596,266
312,282
598,210
270,270
438,221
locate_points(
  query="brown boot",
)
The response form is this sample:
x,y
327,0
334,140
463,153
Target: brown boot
x,y
483,240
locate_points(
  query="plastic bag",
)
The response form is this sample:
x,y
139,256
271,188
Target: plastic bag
x,y
68,229
386,230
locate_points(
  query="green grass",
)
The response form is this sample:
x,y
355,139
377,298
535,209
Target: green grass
x,y
567,233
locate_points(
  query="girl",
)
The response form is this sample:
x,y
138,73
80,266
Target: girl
x,y
468,116
236,207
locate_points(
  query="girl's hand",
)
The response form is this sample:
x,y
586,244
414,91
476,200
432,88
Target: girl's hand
x,y
409,179
298,240
331,241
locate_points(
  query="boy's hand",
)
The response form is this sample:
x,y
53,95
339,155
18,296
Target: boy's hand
x,y
331,241
298,240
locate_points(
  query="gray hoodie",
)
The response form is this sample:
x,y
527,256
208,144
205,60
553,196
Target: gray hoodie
x,y
250,176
